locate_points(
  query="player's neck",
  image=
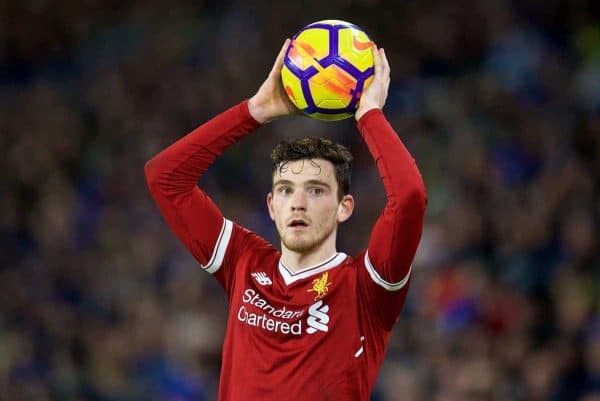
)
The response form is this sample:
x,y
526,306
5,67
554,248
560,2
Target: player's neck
x,y
297,261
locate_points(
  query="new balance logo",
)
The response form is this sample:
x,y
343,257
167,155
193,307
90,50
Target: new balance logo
x,y
262,278
318,318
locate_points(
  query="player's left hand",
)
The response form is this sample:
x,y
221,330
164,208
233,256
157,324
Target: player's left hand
x,y
375,95
270,101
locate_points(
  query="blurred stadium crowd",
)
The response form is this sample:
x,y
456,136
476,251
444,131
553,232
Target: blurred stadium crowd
x,y
499,102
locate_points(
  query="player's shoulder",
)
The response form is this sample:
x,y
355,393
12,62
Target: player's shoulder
x,y
249,236
349,265
252,245
355,261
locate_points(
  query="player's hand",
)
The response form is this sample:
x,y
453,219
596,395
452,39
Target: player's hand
x,y
375,95
271,101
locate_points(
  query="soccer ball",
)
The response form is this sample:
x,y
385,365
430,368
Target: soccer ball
x,y
327,66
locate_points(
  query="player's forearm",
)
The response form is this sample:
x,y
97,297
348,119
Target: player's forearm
x,y
397,232
177,168
401,178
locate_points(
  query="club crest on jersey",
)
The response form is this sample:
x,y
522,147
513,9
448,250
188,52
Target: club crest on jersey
x,y
320,286
262,278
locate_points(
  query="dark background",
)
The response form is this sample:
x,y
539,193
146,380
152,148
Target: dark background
x,y
498,101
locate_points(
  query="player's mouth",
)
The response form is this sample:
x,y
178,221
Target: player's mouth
x,y
298,224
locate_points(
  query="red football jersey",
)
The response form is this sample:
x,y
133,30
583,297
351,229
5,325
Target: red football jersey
x,y
315,334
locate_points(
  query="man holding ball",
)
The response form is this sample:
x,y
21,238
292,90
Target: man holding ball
x,y
306,322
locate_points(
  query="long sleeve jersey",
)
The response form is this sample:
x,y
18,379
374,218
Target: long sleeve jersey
x,y
316,334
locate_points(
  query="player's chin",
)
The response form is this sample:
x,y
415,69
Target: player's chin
x,y
296,243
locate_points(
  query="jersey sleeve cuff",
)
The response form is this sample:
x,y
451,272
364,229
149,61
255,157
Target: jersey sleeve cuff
x,y
245,112
368,117
380,281
216,260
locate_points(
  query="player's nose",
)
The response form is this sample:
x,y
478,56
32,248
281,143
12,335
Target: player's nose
x,y
299,201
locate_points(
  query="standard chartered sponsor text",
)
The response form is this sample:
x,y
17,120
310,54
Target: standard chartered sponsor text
x,y
264,320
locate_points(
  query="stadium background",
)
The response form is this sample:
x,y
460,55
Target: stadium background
x,y
498,101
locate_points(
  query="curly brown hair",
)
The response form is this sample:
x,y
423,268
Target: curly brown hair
x,y
316,148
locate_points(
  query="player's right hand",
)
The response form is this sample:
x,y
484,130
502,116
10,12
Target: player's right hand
x,y
270,101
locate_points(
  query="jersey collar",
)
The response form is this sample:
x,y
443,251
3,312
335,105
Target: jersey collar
x,y
289,276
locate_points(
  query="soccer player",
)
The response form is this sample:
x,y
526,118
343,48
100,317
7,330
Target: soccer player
x,y
305,322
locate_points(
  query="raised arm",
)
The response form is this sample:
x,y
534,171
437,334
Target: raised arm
x,y
173,174
397,232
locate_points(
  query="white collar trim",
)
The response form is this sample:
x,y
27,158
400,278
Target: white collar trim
x,y
289,276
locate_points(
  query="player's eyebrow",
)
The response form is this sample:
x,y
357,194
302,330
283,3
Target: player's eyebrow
x,y
282,182
305,183
317,182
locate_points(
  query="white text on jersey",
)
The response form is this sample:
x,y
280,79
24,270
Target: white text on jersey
x,y
252,298
266,322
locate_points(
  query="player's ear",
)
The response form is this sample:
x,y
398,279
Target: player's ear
x,y
345,208
270,205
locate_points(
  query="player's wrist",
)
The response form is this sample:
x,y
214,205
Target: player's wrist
x,y
258,110
363,109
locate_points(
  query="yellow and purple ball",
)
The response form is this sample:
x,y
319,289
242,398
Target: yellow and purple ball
x,y
327,66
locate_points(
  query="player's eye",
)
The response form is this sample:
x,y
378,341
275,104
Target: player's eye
x,y
315,191
284,190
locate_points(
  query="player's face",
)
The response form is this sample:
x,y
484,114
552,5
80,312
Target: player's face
x,y
304,204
